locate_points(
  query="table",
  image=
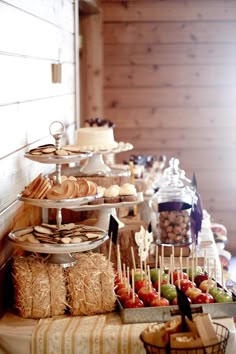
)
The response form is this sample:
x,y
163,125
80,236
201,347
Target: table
x,y
100,334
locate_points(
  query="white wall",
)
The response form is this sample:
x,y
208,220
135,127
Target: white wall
x,y
33,35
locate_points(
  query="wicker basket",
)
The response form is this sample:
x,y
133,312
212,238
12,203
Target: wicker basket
x,y
219,348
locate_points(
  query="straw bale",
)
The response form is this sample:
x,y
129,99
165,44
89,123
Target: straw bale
x,y
39,287
22,280
58,290
90,285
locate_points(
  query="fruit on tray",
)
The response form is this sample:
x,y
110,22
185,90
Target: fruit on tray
x,y
154,274
203,298
133,303
147,294
179,275
141,283
169,292
193,292
199,278
185,284
223,297
159,301
205,285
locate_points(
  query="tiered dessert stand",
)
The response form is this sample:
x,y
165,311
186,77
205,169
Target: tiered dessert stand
x,y
96,166
58,253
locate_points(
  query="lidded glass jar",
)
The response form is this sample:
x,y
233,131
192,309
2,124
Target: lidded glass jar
x,y
174,202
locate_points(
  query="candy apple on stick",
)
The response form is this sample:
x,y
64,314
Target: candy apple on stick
x,y
134,301
159,301
147,293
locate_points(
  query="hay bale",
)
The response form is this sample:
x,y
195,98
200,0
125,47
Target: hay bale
x,y
90,285
22,280
39,287
58,290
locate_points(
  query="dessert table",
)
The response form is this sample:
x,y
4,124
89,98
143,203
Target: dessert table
x,y
99,334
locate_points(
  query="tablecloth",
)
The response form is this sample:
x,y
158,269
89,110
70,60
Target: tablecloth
x,y
100,334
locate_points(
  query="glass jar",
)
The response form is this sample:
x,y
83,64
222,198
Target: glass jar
x,y
174,203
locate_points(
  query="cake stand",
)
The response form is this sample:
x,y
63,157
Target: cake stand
x,y
58,253
95,163
107,209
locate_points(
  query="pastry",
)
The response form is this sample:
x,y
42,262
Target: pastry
x,y
112,194
128,193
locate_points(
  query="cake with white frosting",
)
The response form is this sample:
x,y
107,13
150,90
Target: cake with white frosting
x,y
96,138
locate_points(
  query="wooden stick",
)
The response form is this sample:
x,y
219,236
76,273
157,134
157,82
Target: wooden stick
x,y
181,261
133,291
119,263
173,253
128,275
172,270
110,247
149,278
162,256
156,257
133,258
187,268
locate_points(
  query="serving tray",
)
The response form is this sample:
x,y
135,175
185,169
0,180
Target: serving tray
x,y
165,313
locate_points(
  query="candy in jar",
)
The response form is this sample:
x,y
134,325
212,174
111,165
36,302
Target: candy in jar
x,y
174,201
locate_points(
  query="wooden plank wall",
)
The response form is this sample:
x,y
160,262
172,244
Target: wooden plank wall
x,y
34,35
170,87
91,63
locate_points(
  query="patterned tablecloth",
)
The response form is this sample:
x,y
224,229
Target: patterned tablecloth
x,y
101,334
95,334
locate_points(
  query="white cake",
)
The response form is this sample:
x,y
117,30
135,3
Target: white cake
x,y
96,138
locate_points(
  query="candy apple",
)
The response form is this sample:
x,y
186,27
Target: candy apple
x,y
125,294
166,287
223,297
120,277
156,283
194,272
159,301
179,275
154,274
215,291
141,283
123,290
199,278
168,291
134,303
203,298
205,285
119,286
192,293
147,294
139,274
185,284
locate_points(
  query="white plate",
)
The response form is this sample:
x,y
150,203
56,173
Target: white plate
x,y
56,159
64,203
58,248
